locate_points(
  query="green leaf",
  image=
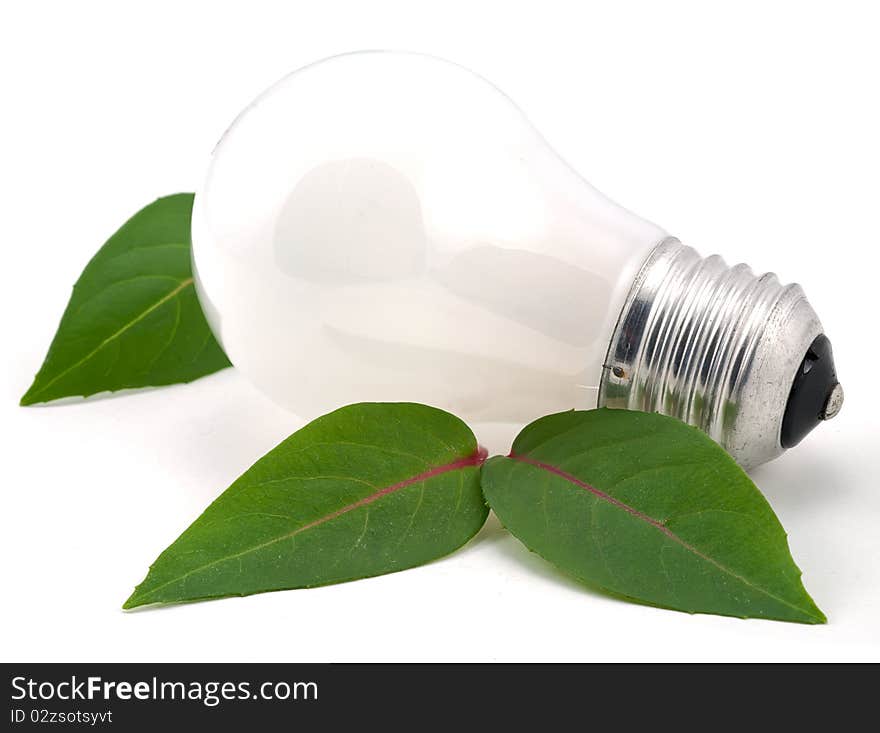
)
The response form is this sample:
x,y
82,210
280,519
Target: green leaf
x,y
649,508
133,319
366,490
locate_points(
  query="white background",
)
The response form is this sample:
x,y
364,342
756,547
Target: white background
x,y
751,132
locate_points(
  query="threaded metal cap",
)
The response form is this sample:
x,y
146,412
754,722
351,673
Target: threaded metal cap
x,y
715,346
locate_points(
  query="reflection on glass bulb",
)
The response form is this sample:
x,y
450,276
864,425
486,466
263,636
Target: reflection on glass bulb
x,y
389,227
383,226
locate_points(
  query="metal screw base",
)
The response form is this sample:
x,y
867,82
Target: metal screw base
x,y
715,346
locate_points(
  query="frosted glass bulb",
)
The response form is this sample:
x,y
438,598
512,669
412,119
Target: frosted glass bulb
x,y
389,227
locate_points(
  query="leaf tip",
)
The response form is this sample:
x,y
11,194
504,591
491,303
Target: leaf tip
x,y
807,613
808,607
133,601
29,397
816,615
137,598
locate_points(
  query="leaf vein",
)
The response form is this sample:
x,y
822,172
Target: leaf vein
x,y
474,460
599,494
110,339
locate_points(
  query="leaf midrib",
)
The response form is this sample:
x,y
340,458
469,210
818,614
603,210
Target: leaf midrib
x,y
657,524
116,334
477,458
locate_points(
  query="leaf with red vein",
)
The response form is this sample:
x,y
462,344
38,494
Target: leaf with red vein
x,y
649,508
366,490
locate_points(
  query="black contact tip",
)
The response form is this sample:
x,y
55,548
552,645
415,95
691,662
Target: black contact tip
x,y
815,394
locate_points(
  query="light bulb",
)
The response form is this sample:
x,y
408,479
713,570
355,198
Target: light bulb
x,y
390,227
